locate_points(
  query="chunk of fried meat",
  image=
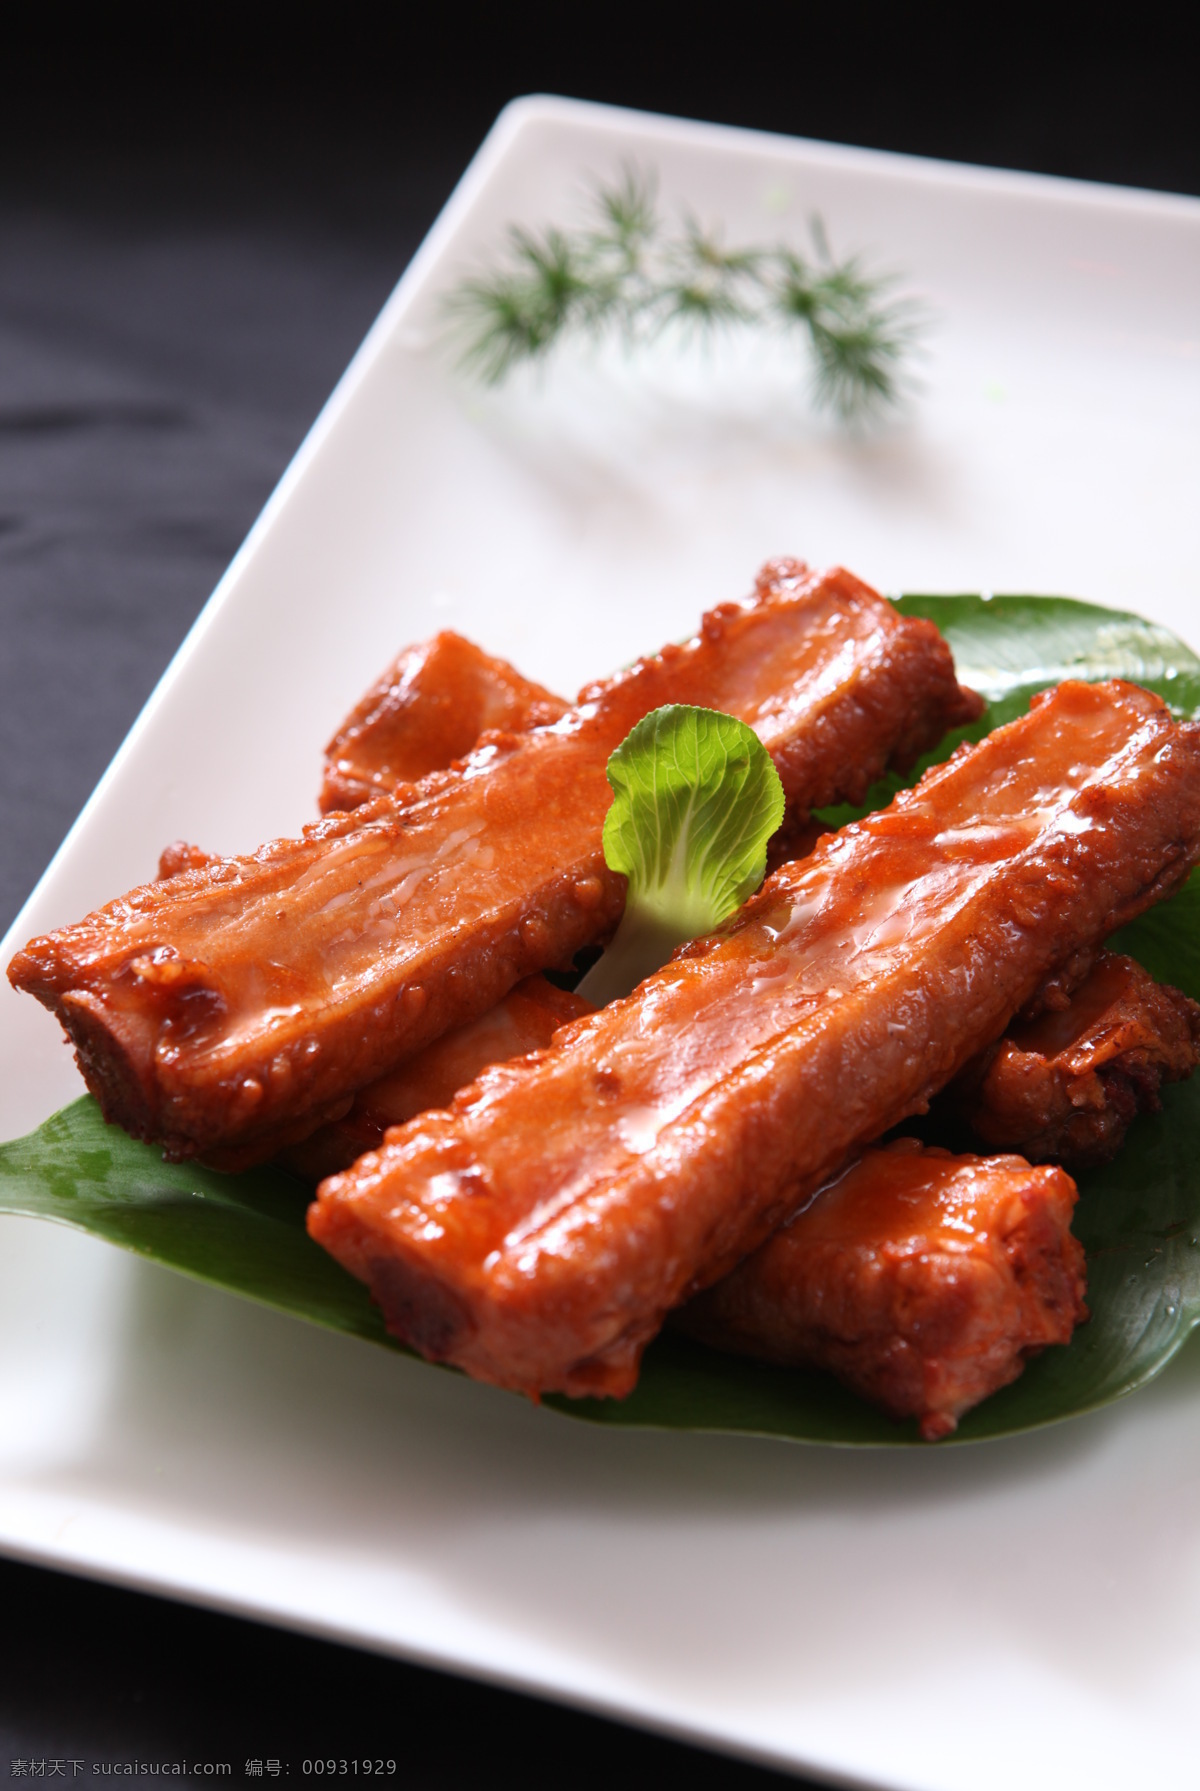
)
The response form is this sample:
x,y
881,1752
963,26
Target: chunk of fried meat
x,y
923,1281
1065,1087
427,710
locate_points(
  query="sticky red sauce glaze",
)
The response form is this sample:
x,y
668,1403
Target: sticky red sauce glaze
x,y
428,709
1066,1086
525,1020
923,1281
239,1005
537,1233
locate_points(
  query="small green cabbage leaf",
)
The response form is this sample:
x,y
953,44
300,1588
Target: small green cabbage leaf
x,y
695,800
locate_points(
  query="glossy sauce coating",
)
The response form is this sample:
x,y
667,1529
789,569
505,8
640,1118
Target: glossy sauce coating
x,y
924,1281
427,710
537,1233
238,1006
526,1019
1066,1086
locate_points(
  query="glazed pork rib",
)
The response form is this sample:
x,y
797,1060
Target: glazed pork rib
x,y
429,708
1065,1087
234,1008
923,1281
1062,1087
537,1233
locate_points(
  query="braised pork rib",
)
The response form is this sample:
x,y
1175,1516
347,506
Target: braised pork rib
x,y
923,1281
429,708
1066,1086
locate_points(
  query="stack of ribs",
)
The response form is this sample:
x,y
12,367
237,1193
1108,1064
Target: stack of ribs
x,y
231,1009
530,1188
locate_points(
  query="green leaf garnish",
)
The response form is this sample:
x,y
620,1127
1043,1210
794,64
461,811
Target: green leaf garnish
x,y
1138,1218
624,273
244,1233
695,800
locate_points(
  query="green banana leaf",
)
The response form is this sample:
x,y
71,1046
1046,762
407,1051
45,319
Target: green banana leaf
x,y
1138,1218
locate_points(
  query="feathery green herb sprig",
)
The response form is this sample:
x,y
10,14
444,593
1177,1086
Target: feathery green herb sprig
x,y
624,272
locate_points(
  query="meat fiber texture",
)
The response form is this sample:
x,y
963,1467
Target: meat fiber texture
x,y
427,710
923,1281
537,1232
230,1010
1066,1086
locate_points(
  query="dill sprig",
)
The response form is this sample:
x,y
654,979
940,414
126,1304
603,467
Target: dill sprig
x,y
624,272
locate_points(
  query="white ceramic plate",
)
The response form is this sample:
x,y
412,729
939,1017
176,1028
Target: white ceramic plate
x,y
1020,1612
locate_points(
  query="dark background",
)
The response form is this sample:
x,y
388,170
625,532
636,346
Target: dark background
x,y
201,211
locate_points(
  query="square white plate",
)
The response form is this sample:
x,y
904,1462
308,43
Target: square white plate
x,y
1025,1611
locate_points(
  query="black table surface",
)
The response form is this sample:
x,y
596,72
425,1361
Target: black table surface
x,y
198,222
